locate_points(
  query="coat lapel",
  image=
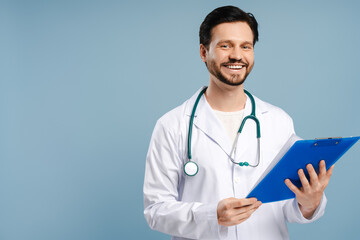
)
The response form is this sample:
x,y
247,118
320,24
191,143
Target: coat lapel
x,y
206,121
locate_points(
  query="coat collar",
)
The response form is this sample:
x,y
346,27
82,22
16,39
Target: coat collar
x,y
206,121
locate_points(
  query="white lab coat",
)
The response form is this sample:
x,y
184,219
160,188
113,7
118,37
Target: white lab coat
x,y
184,206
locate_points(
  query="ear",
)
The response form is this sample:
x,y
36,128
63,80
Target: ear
x,y
203,53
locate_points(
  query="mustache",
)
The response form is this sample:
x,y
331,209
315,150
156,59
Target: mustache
x,y
235,61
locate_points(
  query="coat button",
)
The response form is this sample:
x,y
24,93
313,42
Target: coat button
x,y
237,180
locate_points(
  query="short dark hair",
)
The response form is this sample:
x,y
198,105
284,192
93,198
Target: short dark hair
x,y
224,15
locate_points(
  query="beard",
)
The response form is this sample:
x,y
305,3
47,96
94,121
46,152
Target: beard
x,y
233,80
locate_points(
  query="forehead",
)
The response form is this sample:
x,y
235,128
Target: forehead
x,y
233,31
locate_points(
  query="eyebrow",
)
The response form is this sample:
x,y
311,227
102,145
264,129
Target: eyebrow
x,y
223,41
229,41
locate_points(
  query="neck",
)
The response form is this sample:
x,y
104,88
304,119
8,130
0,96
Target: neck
x,y
225,98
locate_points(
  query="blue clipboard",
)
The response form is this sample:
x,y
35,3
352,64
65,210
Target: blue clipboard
x,y
272,187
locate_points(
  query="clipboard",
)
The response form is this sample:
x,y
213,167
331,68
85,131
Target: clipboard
x,y
294,155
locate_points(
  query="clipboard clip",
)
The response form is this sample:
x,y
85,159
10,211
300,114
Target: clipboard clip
x,y
325,141
328,138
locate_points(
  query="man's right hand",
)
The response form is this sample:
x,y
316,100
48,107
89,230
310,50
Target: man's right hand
x,y
232,211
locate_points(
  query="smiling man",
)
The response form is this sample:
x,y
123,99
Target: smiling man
x,y
231,52
199,170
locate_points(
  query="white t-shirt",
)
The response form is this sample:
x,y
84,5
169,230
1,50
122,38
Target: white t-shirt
x,y
231,122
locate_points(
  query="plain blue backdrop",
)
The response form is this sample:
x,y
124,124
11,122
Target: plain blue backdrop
x,y
82,84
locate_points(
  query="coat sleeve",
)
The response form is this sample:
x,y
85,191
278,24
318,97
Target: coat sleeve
x,y
162,209
293,213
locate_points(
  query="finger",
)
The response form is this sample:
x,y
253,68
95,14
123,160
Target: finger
x,y
245,215
239,211
325,180
238,203
235,221
313,176
330,171
237,215
292,187
322,168
304,181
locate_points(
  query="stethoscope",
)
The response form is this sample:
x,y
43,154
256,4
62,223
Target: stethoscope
x,y
191,168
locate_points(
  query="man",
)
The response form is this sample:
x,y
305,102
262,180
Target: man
x,y
212,203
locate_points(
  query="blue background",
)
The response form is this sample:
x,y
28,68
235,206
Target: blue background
x,y
82,84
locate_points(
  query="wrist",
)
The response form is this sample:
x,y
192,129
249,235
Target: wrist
x,y
307,212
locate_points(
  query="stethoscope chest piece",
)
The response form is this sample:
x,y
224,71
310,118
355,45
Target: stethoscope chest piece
x,y
191,168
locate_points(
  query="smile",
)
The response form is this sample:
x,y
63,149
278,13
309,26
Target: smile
x,y
234,67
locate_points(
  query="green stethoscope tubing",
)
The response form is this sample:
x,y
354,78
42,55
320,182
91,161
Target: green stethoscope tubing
x,y
252,116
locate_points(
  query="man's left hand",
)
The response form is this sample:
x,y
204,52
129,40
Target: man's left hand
x,y
310,194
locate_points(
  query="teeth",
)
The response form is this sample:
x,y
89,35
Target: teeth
x,y
235,67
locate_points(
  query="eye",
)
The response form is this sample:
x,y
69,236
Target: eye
x,y
225,46
247,47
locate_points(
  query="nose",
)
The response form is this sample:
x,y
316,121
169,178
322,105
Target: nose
x,y
236,54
